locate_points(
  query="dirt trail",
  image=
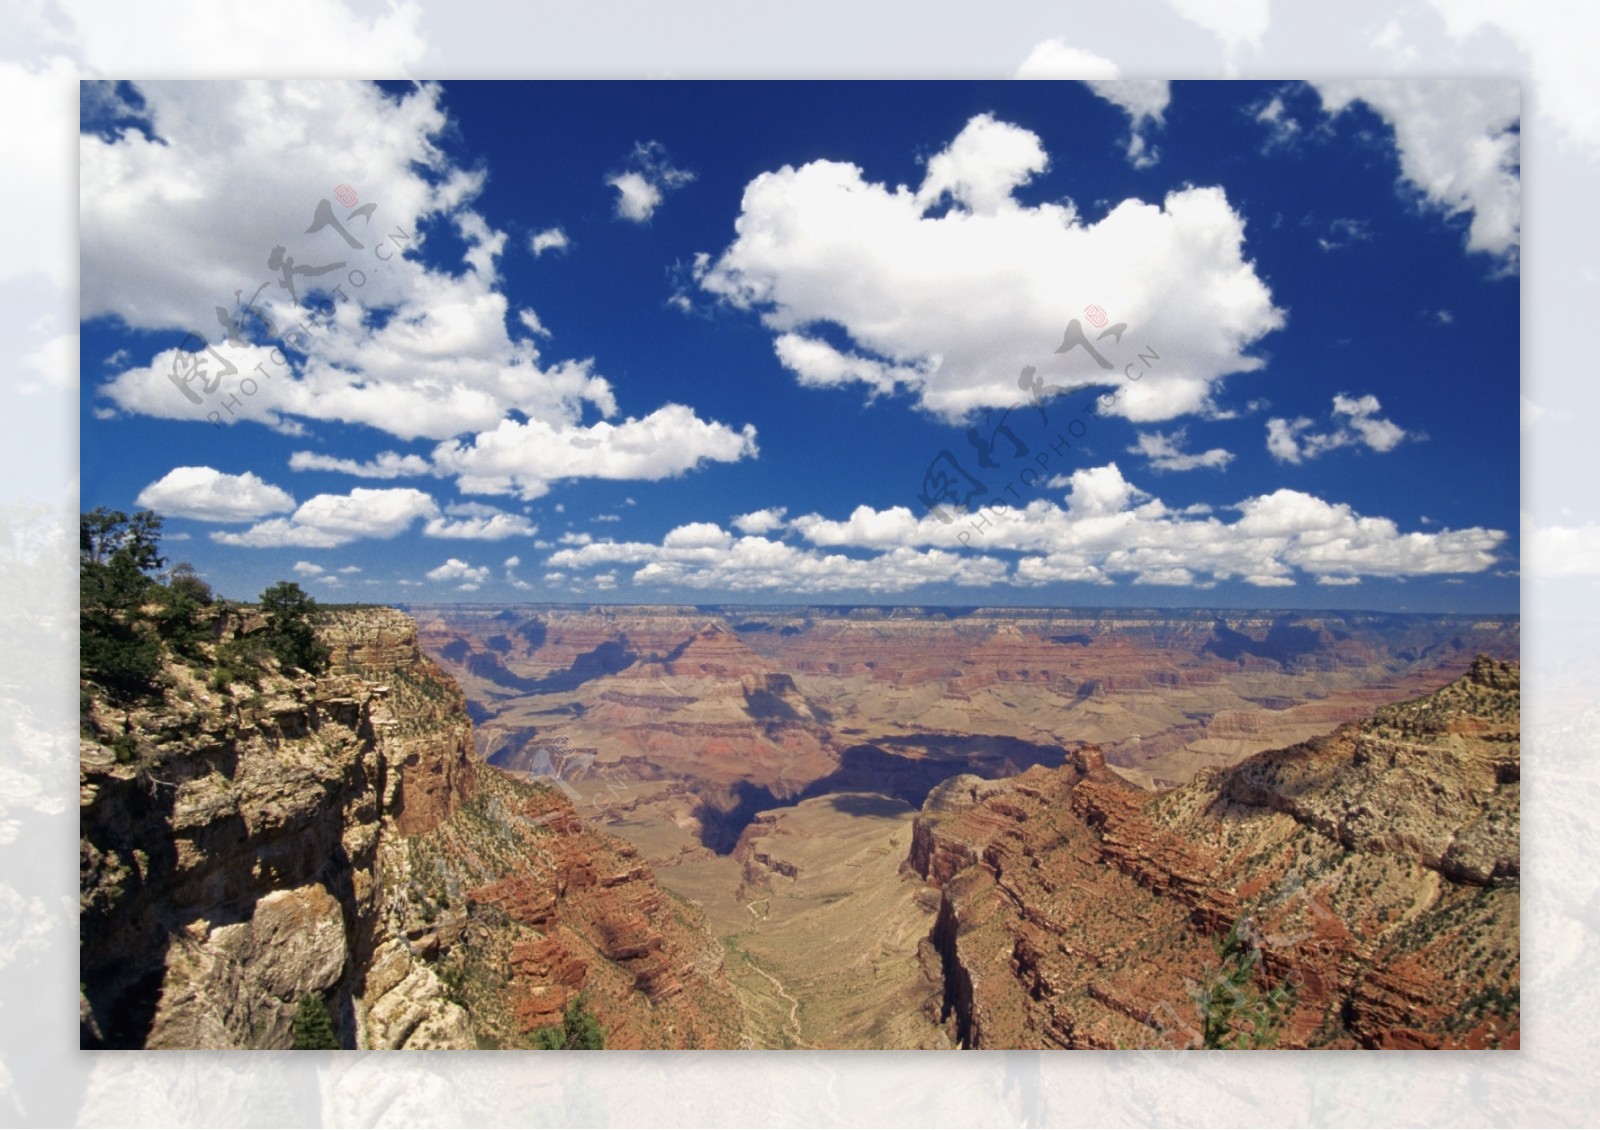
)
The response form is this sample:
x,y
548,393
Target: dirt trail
x,y
794,1005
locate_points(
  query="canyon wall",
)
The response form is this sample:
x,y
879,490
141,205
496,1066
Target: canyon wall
x,y
246,847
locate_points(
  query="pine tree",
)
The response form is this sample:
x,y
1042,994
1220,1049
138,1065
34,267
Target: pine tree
x,y
313,1027
290,614
116,555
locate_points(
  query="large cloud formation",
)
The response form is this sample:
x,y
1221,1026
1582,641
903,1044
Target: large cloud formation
x,y
950,289
328,520
1105,530
201,219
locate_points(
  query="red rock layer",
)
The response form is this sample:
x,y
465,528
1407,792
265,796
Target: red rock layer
x,y
557,909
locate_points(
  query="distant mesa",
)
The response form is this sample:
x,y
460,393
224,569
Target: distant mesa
x,y
714,651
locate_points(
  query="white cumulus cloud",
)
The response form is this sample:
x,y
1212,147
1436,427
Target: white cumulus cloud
x,y
237,172
477,522
550,239
1107,530
511,564
471,577
1110,527
1143,100
642,186
385,465
1459,147
329,520
953,305
524,458
209,495
707,558
761,521
980,169
1165,453
1282,129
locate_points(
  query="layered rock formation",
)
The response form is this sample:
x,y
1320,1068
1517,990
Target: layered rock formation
x,y
1365,882
244,848
778,699
532,907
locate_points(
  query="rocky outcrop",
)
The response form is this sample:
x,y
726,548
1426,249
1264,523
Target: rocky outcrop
x,y
232,844
1371,875
1431,780
939,852
427,713
247,847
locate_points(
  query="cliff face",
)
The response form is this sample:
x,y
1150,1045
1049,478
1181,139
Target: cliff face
x,y
1371,876
427,713
244,848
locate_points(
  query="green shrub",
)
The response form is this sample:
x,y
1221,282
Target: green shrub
x,y
124,658
116,554
240,660
1233,1012
124,747
579,1030
183,617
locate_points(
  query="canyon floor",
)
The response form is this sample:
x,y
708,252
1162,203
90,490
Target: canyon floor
x,y
770,764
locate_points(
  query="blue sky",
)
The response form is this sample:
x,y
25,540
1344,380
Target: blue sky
x,y
704,341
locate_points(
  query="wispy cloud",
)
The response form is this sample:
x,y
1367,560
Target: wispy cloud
x,y
1356,423
649,175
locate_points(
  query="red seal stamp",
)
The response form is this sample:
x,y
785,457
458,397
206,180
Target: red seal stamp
x,y
347,196
1097,316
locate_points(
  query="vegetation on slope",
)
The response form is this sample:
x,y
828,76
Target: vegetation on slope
x,y
136,615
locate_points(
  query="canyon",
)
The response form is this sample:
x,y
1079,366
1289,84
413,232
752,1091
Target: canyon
x,y
804,827
771,763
